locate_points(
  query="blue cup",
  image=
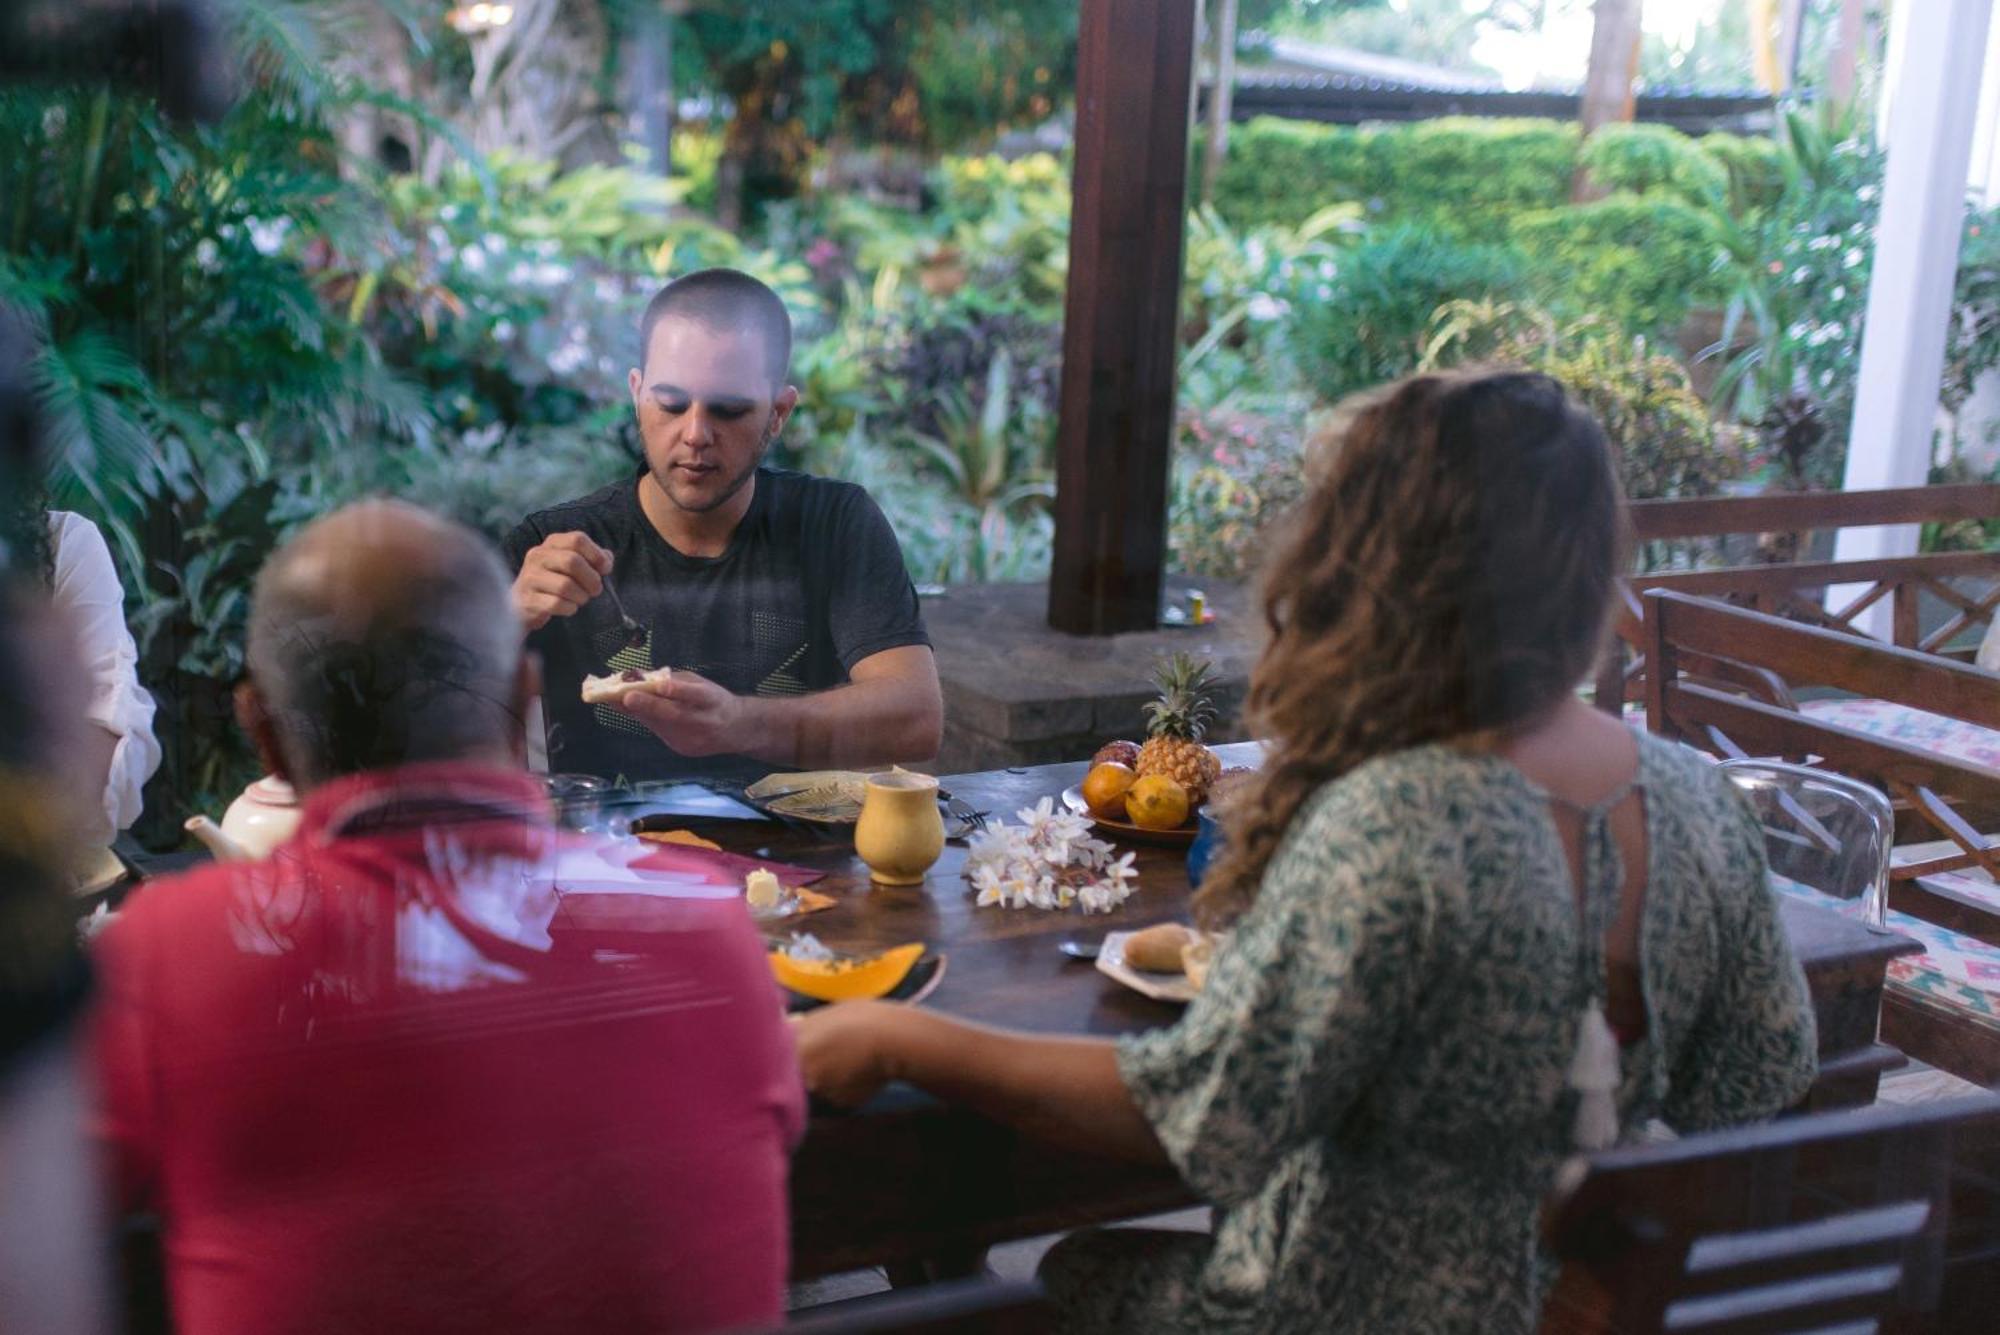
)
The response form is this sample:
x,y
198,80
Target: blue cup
x,y
1207,843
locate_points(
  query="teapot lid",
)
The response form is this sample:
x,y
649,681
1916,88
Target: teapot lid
x,y
272,791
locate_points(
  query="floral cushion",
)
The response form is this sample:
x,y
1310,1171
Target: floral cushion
x,y
1953,970
1893,722
1912,727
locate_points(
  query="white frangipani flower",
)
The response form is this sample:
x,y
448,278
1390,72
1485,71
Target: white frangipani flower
x,y
1049,861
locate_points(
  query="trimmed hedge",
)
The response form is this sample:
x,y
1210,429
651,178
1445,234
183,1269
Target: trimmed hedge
x,y
1461,175
1756,168
1371,328
1640,261
1654,159
1471,177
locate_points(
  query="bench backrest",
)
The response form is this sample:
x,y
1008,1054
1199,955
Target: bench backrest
x,y
1796,589
1884,1215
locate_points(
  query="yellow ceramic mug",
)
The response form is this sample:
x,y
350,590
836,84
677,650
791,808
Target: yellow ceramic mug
x,y
900,833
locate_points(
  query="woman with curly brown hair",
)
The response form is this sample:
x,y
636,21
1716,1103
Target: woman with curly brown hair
x,y
1474,925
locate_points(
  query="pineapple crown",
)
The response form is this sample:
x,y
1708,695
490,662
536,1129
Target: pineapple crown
x,y
1186,705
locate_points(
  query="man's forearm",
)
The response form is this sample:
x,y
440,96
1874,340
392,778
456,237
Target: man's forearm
x,y
862,723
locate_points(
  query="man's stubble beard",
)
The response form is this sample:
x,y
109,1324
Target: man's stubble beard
x,y
729,493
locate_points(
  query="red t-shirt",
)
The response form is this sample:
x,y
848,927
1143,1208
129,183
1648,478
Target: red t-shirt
x,y
365,1092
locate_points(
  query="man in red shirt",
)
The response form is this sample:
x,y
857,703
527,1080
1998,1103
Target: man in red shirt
x,y
361,1083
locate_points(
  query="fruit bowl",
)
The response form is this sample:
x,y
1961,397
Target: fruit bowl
x,y
1179,837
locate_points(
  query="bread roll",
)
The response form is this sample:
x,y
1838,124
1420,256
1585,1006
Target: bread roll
x,y
1157,949
611,688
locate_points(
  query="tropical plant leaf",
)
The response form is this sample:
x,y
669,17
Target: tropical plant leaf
x,y
283,44
91,395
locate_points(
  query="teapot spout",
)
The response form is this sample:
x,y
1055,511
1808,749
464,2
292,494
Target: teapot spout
x,y
218,843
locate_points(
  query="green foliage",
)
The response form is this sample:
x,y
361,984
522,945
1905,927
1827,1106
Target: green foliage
x,y
1371,327
1642,397
188,609
1654,159
1458,175
979,72
1640,262
1235,472
1466,175
797,72
1972,348
1009,222
1281,171
1755,165
1241,301
697,154
1798,287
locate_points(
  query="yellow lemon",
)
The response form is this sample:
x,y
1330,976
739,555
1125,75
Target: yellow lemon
x,y
1157,802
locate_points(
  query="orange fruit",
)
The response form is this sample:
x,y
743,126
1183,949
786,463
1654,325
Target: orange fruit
x,y
1104,789
1157,802
844,978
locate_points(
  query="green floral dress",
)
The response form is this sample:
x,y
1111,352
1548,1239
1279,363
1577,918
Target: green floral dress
x,y
1372,1090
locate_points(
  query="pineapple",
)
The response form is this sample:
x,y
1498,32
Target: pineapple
x,y
1174,725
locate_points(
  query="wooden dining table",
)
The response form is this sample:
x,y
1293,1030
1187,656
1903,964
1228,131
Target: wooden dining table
x,y
907,1179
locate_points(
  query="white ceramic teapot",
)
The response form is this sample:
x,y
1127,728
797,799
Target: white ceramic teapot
x,y
260,819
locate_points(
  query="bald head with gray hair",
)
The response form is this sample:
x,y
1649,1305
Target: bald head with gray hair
x,y
385,635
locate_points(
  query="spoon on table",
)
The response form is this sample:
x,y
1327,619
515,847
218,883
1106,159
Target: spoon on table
x,y
1079,950
635,634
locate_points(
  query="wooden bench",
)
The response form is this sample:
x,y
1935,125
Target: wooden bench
x,y
1795,590
1942,802
1882,1218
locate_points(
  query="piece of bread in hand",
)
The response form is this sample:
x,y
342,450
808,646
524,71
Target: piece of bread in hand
x,y
611,688
1157,949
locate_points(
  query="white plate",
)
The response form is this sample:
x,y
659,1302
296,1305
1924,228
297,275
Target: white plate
x,y
1158,986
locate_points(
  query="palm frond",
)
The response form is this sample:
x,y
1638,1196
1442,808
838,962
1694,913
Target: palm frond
x,y
92,393
283,42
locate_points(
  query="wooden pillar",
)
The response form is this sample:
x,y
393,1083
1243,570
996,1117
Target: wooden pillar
x,y
1135,71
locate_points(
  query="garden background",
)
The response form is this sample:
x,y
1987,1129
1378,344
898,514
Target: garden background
x,y
411,263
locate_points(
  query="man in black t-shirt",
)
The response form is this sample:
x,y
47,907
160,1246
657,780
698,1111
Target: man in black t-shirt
x,y
779,600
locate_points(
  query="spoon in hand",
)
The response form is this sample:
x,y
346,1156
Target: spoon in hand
x,y
635,634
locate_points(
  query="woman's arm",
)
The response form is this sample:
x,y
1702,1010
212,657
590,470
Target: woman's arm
x,y
1065,1090
118,752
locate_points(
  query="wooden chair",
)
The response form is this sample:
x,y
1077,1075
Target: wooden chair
x,y
972,1307
1882,1218
1942,803
1795,590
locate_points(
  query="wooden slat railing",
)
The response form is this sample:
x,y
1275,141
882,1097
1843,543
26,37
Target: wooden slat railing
x,y
1797,590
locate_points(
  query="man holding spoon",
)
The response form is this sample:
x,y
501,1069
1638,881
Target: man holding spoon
x,y
780,601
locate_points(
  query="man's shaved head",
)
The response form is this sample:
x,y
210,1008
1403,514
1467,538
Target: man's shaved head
x,y
382,635
724,299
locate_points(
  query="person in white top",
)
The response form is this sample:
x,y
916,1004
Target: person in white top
x,y
122,752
